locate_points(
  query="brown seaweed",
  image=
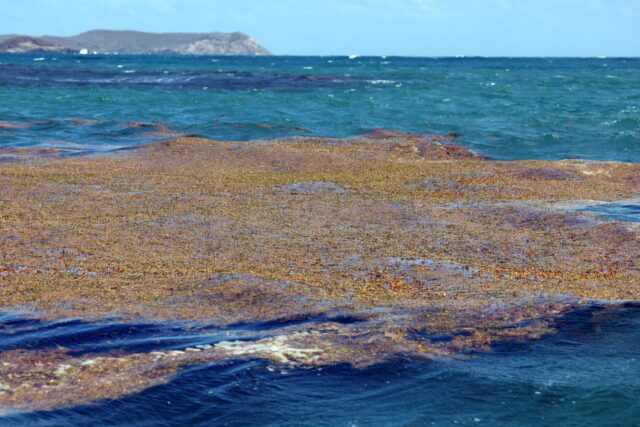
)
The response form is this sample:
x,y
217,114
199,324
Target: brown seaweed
x,y
437,250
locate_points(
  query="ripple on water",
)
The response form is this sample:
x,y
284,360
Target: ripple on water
x,y
526,114
628,211
587,373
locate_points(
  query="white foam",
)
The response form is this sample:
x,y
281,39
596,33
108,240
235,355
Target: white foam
x,y
278,348
381,82
62,369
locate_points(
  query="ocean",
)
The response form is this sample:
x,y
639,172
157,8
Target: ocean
x,y
506,108
588,373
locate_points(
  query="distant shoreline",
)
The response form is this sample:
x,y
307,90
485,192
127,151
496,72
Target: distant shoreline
x,y
453,57
136,42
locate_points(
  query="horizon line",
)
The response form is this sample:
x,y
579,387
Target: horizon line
x,y
349,56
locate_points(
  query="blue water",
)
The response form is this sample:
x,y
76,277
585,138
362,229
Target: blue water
x,y
506,108
628,211
586,374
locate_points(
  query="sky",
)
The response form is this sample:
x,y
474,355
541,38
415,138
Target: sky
x,y
363,27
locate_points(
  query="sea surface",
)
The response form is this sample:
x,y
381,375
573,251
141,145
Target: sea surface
x,y
587,374
506,108
545,108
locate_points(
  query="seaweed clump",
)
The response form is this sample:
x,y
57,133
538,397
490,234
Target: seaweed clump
x,y
436,249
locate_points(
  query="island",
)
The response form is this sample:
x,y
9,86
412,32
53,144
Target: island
x,y
137,42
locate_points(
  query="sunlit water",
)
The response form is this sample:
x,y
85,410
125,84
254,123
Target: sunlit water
x,y
506,108
586,374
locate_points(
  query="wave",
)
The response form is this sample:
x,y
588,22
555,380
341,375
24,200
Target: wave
x,y
381,82
548,375
42,77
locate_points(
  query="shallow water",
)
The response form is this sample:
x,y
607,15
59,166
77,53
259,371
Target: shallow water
x,y
506,108
628,211
586,374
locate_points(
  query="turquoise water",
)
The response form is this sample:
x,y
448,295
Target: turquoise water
x,y
586,374
506,108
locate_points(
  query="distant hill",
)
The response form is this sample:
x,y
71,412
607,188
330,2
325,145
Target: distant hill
x,y
110,41
21,44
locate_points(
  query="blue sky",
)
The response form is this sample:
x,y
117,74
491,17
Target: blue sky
x,y
366,27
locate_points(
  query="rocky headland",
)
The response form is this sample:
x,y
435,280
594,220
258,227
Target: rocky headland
x,y
137,42
24,44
